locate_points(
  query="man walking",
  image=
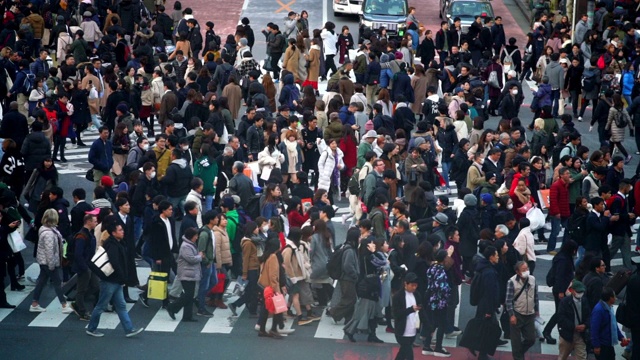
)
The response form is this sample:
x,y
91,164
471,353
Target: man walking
x,y
618,204
111,286
574,317
523,308
85,248
100,155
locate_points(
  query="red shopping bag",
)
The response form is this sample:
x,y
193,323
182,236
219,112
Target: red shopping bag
x,y
219,288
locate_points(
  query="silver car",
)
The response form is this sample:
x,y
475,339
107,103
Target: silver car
x,y
466,10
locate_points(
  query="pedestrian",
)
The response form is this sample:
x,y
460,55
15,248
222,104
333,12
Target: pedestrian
x,y
523,308
348,278
605,333
563,271
189,272
111,286
574,317
406,310
617,120
435,304
84,249
270,277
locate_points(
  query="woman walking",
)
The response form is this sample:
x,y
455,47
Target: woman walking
x,y
49,257
270,276
189,273
617,120
329,167
320,251
348,278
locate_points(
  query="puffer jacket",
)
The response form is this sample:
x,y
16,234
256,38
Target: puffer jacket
x,y
617,133
177,180
223,247
35,148
37,23
49,247
326,165
189,260
334,130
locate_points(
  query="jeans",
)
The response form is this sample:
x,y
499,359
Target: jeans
x,y
437,319
88,284
628,100
555,97
555,230
185,301
96,121
208,280
622,243
446,167
208,202
111,292
56,278
581,252
250,297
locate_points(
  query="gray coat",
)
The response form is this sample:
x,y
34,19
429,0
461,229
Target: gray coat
x,y
617,134
319,255
581,30
189,260
556,75
350,269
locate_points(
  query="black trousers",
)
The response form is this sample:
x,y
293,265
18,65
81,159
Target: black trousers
x,y
264,315
437,320
406,347
250,297
606,353
635,349
554,319
59,142
324,294
87,285
329,64
185,301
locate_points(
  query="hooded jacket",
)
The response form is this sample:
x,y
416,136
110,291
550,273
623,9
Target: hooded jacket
x,y
177,180
35,148
555,72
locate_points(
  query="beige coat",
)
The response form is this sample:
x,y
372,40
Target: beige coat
x,y
419,85
475,176
291,62
223,247
314,63
233,93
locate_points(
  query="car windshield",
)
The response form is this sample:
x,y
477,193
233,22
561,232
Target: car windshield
x,y
470,8
386,7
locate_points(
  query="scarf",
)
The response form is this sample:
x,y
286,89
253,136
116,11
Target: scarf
x,y
614,323
524,196
292,150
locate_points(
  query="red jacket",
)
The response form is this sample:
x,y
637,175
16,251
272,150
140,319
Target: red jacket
x,y
559,199
350,151
297,220
514,183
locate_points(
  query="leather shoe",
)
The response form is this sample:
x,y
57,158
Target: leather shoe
x,y
129,300
549,339
374,339
350,337
17,287
7,306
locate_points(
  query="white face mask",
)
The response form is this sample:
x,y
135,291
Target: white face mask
x,y
525,274
481,161
153,174
509,206
145,147
185,148
265,228
514,92
578,296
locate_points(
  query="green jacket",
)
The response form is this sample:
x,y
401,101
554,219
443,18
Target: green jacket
x,y
207,170
575,187
377,218
362,151
205,244
232,222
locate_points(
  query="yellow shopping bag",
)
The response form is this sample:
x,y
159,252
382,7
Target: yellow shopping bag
x,y
157,285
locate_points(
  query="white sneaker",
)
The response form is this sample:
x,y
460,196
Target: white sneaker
x,y
257,327
286,331
37,308
579,118
67,310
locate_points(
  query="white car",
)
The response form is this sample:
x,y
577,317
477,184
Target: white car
x,y
349,7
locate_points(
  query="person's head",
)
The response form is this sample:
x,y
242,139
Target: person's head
x,y
122,204
522,269
50,218
491,253
608,295
165,209
625,186
565,174
104,133
605,192
618,162
501,231
598,265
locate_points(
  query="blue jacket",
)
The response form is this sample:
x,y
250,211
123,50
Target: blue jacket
x,y
100,155
627,83
385,77
84,250
18,83
346,117
402,86
544,95
269,210
601,327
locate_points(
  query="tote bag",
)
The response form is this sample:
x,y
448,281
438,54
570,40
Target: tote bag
x,y
16,242
101,260
279,304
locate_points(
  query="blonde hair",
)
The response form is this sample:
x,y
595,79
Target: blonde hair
x,y
50,218
539,123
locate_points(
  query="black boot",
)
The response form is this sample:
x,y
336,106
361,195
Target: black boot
x,y
372,332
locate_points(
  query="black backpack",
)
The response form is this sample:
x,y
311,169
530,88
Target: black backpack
x,y
555,153
576,225
334,265
475,292
354,185
71,247
253,207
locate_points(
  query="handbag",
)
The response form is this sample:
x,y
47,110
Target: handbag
x,y
525,208
101,260
537,75
368,287
536,217
267,64
16,242
619,280
8,82
279,303
89,175
157,285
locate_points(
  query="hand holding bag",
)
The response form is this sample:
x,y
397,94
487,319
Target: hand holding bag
x,y
101,261
279,303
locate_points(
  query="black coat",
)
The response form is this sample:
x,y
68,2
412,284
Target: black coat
x,y
129,241
566,315
469,231
14,126
401,311
177,180
509,107
594,284
633,300
460,166
596,233
564,271
35,149
160,239
77,215
490,299
117,253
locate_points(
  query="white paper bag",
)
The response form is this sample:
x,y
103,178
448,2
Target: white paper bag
x,y
16,242
266,173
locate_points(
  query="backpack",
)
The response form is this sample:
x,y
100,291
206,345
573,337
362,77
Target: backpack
x,y
253,207
225,77
620,119
235,242
354,184
555,153
285,42
54,122
477,192
127,52
508,58
576,225
71,246
551,275
493,79
588,80
334,265
601,64
29,83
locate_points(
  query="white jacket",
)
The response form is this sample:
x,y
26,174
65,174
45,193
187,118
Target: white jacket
x,y
157,87
329,41
196,198
524,244
326,165
273,159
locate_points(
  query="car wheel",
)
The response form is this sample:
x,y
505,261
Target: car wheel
x,y
337,14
